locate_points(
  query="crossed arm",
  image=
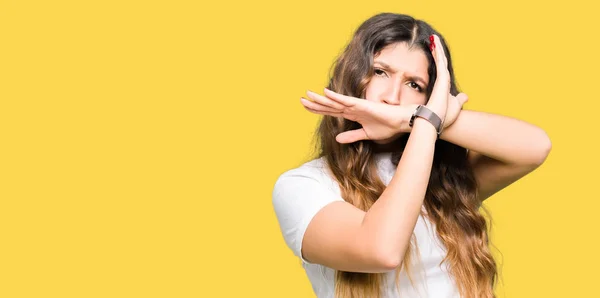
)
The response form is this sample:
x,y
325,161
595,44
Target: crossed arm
x,y
501,149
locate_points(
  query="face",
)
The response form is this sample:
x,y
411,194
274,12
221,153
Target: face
x,y
400,77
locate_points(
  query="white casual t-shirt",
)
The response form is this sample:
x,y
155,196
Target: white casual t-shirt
x,y
301,192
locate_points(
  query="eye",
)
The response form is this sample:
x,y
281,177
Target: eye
x,y
379,72
415,86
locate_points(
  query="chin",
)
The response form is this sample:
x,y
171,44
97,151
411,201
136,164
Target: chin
x,y
382,142
391,143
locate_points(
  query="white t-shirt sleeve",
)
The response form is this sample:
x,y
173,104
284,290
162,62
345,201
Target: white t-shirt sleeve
x,y
298,195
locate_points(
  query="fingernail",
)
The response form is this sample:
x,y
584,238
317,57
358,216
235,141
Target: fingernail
x,y
432,43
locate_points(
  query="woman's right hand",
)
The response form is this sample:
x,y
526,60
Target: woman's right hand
x,y
438,101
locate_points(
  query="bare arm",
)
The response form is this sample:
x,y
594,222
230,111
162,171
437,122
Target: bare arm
x,y
502,149
344,237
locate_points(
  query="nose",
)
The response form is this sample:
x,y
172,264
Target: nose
x,y
392,94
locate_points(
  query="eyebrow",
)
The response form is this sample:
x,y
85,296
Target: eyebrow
x,y
409,75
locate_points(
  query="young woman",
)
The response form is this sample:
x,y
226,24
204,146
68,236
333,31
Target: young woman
x,y
391,206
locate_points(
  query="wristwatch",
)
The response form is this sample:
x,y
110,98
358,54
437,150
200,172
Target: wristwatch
x,y
427,114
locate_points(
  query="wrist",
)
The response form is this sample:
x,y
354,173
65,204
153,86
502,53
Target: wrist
x,y
447,124
426,123
450,120
406,114
438,109
424,112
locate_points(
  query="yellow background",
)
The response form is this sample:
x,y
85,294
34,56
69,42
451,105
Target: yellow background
x,y
140,140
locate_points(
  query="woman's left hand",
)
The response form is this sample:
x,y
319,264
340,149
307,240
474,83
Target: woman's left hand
x,y
455,105
335,104
379,121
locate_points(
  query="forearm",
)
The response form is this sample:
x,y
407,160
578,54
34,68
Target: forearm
x,y
390,222
503,138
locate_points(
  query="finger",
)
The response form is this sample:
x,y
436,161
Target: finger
x,y
351,136
435,54
439,53
432,47
322,110
348,101
323,113
317,106
440,60
440,49
324,100
462,98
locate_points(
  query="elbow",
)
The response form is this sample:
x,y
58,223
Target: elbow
x,y
391,263
544,148
388,261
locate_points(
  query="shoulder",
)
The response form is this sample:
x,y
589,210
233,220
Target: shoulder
x,y
298,194
306,187
315,169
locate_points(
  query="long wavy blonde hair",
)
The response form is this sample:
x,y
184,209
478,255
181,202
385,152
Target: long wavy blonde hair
x,y
451,201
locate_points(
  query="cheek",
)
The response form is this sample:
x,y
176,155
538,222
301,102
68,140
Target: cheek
x,y
375,90
371,91
413,97
370,97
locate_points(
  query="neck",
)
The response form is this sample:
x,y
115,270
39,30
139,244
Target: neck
x,y
393,146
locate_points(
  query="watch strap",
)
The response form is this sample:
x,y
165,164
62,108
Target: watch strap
x,y
427,114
